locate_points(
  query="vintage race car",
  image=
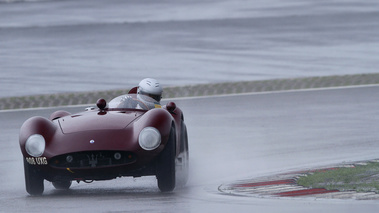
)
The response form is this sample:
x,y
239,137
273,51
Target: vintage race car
x,y
122,138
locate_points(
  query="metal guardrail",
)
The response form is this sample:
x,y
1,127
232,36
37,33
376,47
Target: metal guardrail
x,y
90,98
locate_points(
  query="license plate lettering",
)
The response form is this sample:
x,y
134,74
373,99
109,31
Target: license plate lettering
x,y
36,161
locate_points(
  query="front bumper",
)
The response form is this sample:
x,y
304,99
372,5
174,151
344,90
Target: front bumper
x,y
92,165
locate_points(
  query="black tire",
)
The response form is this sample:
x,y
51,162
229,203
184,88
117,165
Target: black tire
x,y
62,185
166,165
182,164
33,180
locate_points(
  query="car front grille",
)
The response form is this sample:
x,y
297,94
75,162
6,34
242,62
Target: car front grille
x,y
92,159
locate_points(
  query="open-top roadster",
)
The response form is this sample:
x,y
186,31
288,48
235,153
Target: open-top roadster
x,y
114,140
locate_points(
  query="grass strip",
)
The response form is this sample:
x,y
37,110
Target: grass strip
x,y
360,178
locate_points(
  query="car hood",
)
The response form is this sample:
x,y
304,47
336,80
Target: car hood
x,y
92,121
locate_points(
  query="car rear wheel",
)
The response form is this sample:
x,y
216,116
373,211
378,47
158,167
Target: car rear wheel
x,y
33,180
62,185
166,165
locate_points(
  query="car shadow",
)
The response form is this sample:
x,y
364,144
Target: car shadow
x,y
105,192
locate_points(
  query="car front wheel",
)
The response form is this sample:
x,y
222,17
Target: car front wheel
x,y
182,161
166,165
33,180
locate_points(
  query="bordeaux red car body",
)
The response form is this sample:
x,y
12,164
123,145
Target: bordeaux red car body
x,y
105,143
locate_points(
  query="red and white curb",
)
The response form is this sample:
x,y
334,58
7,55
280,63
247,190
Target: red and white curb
x,y
285,185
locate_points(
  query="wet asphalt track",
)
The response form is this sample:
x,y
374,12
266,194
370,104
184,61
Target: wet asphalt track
x,y
90,45
68,46
231,138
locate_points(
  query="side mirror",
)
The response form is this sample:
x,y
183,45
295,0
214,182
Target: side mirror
x,y
171,106
101,103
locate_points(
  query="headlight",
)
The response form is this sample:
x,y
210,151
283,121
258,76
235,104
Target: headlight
x,y
35,145
149,138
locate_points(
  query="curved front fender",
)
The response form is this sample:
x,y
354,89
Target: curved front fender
x,y
36,125
157,118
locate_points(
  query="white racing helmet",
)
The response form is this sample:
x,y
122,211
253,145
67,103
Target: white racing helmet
x,y
150,87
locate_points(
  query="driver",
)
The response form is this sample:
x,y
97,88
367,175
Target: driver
x,y
149,92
